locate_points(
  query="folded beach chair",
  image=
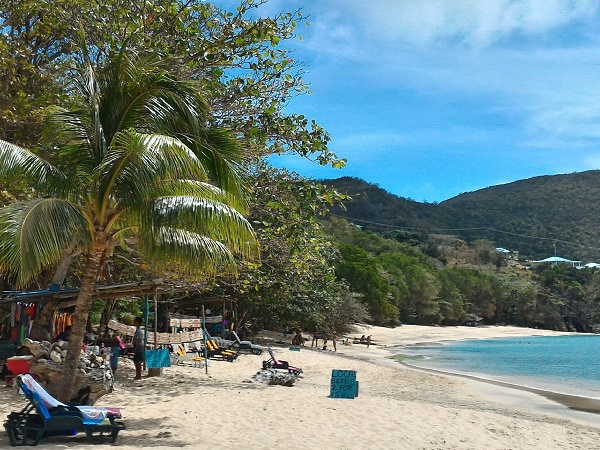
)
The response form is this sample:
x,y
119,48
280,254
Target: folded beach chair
x,y
181,356
240,345
214,351
45,415
274,363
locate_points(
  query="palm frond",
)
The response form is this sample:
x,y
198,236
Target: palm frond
x,y
69,134
92,94
177,187
137,161
17,162
219,152
33,235
187,253
209,218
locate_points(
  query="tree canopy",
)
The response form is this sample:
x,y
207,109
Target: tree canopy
x,y
136,157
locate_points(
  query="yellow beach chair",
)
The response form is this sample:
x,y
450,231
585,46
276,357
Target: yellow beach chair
x,y
181,356
214,351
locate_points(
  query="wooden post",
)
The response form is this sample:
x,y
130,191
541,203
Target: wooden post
x,y
155,372
204,341
155,317
146,312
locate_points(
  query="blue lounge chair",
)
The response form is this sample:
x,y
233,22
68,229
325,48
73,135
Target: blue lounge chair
x,y
45,415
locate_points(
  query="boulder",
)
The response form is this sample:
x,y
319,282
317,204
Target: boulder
x,y
90,383
38,349
94,375
273,377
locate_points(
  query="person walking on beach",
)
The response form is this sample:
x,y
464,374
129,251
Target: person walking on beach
x,y
138,348
368,341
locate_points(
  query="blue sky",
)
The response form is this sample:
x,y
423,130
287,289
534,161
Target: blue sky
x,y
431,98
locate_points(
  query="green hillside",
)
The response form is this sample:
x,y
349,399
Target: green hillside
x,y
528,216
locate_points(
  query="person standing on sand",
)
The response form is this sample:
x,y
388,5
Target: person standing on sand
x,y
138,348
368,341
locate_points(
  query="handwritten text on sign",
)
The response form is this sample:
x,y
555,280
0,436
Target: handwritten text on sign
x,y
343,384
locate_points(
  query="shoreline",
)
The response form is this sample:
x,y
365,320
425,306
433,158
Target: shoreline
x,y
581,408
575,402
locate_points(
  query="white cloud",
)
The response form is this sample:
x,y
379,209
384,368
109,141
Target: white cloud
x,y
593,161
475,23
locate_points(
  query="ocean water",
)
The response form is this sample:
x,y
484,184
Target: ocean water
x,y
564,364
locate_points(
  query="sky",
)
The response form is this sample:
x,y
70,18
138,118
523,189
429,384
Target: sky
x,y
432,98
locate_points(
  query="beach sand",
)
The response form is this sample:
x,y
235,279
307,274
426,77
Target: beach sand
x,y
398,407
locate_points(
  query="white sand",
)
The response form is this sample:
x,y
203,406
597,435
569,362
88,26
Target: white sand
x,y
398,407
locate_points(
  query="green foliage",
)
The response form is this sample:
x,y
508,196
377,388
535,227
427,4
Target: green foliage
x,y
294,284
361,272
237,57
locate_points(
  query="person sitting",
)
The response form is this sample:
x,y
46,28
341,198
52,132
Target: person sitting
x,y
363,339
64,335
298,339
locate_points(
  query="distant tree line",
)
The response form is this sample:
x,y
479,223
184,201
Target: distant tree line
x,y
416,279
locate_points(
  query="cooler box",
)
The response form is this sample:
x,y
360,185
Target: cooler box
x,y
19,364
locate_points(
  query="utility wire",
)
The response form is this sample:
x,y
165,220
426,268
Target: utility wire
x,y
495,230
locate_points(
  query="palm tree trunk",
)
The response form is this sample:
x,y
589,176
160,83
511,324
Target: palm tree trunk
x,y
40,329
80,317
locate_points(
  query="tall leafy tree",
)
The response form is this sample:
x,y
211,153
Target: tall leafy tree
x,y
135,158
237,54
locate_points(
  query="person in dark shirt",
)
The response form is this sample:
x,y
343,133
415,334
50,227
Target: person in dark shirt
x,y
138,347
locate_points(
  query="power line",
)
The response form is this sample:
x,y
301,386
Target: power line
x,y
495,230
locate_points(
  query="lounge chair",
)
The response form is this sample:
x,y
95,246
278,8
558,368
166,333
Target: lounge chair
x,y
274,363
214,351
182,356
240,345
45,415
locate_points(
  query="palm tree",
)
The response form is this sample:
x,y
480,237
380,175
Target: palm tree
x,y
137,159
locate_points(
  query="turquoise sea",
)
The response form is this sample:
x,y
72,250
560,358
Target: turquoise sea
x,y
563,364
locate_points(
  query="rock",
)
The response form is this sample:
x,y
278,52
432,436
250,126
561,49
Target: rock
x,y
55,356
272,377
37,349
90,384
93,380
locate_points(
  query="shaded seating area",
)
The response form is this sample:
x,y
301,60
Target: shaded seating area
x,y
274,363
45,416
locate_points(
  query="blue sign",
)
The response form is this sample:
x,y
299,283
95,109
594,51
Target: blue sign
x,y
343,384
294,348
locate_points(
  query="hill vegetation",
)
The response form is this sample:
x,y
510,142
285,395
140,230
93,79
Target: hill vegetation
x,y
528,216
440,279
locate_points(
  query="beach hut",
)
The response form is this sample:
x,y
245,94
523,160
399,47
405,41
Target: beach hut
x,y
554,260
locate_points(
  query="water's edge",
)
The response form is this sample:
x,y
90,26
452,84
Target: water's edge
x,y
575,402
